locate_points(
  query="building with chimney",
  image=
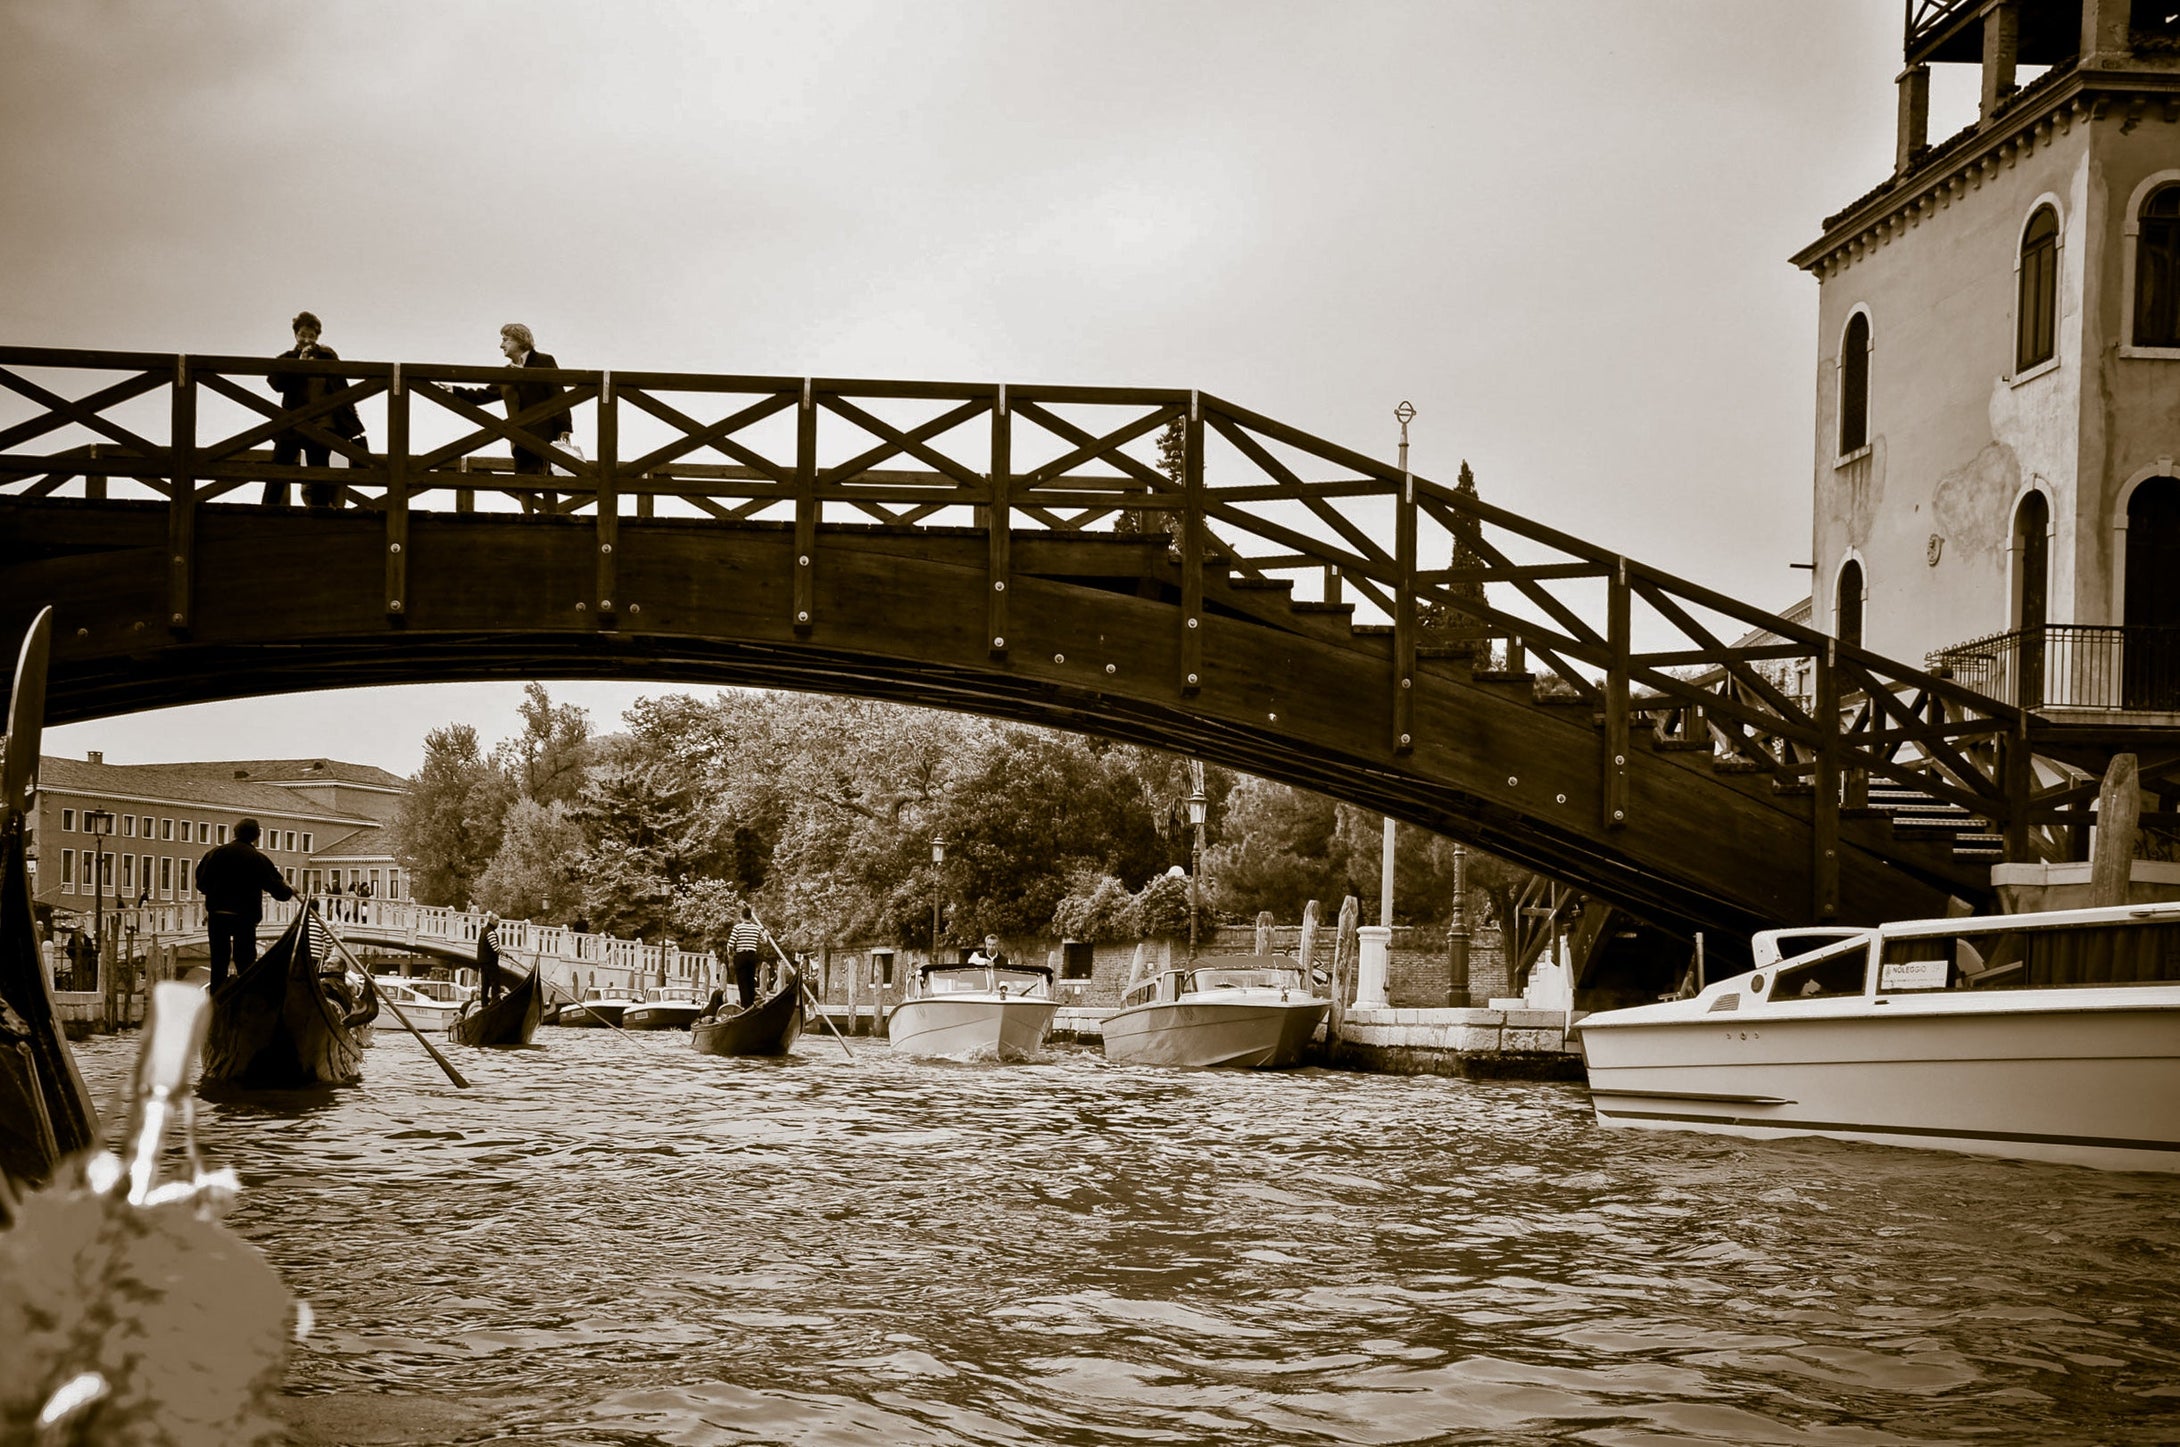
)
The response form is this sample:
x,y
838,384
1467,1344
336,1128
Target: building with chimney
x,y
123,833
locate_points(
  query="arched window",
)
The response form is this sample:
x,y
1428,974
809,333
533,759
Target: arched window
x,y
2157,270
2037,311
1847,609
2153,596
2032,592
1854,384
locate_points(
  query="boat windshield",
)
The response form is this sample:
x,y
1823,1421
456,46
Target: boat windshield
x,y
1024,982
1255,978
957,980
440,990
1842,969
2038,957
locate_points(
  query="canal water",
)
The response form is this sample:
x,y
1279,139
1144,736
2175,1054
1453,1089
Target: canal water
x,y
611,1239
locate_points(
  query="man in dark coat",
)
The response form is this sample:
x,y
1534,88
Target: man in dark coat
x,y
520,349
297,391
232,880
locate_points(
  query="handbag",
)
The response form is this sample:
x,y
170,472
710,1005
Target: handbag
x,y
574,449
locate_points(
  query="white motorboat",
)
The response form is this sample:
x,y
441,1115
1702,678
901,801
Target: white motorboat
x,y
975,1012
663,1009
1253,1012
427,1004
2050,1037
601,1005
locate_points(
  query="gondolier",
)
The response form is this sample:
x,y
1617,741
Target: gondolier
x,y
489,981
744,944
232,881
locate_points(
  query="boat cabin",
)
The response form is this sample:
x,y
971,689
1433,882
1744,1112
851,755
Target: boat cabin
x,y
2125,945
1261,974
1016,981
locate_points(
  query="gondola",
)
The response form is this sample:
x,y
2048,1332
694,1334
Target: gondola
x,y
283,1024
769,1027
511,1018
45,1109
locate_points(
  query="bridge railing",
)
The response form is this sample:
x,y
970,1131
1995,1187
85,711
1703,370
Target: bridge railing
x,y
1245,502
571,958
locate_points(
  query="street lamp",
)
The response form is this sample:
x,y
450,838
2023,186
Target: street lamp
x,y
99,823
1196,804
938,857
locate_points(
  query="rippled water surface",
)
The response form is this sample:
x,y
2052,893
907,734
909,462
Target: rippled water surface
x,y
611,1239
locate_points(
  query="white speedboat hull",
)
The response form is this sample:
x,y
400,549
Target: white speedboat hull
x,y
661,1015
2083,1076
1266,1034
971,1027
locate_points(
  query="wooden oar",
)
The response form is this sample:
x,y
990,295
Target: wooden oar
x,y
578,1004
378,995
804,985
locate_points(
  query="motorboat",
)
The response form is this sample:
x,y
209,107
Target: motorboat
x,y
662,1009
426,1004
1252,1012
975,1012
600,1006
2052,1037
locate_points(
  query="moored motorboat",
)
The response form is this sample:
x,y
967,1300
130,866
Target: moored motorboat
x,y
975,1012
662,1009
286,1023
601,1006
428,1004
2052,1037
771,1026
1247,1011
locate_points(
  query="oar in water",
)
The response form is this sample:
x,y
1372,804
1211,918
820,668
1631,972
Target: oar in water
x,y
804,985
379,995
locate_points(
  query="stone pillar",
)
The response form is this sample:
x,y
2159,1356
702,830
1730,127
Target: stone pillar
x,y
1305,949
1370,969
2001,46
2106,26
1914,87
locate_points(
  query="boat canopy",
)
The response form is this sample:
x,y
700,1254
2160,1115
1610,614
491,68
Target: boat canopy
x,y
931,967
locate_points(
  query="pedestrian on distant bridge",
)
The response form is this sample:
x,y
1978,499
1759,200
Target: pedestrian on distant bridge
x,y
520,349
298,391
232,880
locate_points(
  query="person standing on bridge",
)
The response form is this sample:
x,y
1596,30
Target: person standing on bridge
x,y
520,349
296,392
232,880
745,944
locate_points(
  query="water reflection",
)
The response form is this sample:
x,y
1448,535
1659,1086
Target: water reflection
x,y
614,1239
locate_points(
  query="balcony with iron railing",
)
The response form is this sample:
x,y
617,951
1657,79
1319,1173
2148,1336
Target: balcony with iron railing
x,y
2111,669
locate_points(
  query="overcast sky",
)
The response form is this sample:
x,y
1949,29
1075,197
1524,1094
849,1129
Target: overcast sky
x,y
1559,230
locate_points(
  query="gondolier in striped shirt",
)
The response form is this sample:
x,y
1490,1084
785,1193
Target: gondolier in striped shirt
x,y
744,944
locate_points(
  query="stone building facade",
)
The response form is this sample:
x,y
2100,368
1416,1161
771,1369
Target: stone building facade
x,y
1998,356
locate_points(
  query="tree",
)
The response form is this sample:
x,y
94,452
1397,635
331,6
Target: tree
x,y
449,826
533,876
547,761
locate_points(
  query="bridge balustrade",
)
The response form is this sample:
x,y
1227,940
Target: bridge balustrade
x,y
1292,551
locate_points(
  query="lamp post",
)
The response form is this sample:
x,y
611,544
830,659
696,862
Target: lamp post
x,y
1196,803
100,824
938,858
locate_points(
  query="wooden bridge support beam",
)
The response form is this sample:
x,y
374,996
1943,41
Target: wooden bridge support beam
x,y
1000,559
182,508
1619,638
2017,776
609,505
1825,793
1192,547
804,604
397,499
1404,619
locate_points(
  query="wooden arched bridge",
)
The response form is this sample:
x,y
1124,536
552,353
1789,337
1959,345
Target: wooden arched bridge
x,y
1149,564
